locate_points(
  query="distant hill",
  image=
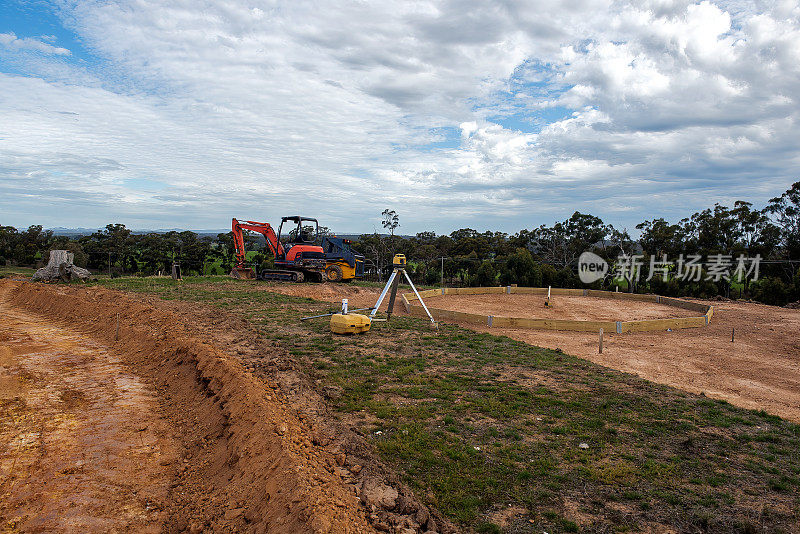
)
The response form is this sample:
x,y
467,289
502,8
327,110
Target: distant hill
x,y
59,230
354,237
73,232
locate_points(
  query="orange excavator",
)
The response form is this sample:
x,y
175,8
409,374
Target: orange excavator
x,y
296,258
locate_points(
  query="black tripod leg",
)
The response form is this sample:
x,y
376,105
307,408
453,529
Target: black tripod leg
x,y
392,296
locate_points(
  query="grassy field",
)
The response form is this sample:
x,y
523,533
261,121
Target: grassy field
x,y
11,272
503,436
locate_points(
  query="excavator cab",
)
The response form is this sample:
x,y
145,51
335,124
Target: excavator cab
x,y
297,232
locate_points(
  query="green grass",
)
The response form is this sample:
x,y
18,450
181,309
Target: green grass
x,y
475,422
10,272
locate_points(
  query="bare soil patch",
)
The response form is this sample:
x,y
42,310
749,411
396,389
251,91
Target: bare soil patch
x,y
561,307
358,296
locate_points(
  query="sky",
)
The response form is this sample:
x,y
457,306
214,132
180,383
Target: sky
x,y
489,115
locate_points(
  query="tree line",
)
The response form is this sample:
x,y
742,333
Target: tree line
x,y
116,250
542,256
548,255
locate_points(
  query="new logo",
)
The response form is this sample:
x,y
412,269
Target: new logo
x,y
591,267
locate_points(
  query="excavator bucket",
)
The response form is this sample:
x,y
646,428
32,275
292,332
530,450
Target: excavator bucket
x,y
243,273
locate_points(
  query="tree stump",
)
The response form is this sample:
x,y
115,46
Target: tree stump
x,y
60,267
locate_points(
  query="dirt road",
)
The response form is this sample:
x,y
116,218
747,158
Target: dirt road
x,y
82,447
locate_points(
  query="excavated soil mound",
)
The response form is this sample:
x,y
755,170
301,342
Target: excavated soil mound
x,y
249,462
256,454
574,308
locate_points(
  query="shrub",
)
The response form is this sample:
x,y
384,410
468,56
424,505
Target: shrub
x,y
566,278
432,277
522,270
771,290
549,275
486,275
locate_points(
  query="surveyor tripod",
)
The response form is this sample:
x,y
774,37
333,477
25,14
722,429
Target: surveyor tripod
x,y
399,264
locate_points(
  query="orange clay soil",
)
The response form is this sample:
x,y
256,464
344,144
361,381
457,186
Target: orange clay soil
x,y
561,307
760,370
358,296
165,430
71,455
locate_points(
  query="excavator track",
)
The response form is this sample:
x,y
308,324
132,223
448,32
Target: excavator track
x,y
281,275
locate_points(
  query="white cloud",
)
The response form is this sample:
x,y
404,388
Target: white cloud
x,y
12,42
335,109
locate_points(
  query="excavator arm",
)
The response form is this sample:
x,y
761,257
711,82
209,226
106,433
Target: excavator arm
x,y
262,228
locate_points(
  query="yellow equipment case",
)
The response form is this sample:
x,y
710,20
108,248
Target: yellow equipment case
x,y
351,323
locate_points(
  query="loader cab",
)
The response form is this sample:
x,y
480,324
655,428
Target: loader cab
x,y
338,251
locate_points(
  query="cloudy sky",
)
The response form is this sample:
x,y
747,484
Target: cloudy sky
x,y
504,115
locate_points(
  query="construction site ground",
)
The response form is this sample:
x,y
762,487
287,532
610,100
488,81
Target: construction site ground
x,y
759,370
217,409
558,307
